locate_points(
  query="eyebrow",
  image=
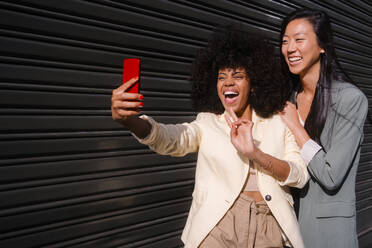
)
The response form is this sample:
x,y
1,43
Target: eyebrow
x,y
285,35
234,73
237,72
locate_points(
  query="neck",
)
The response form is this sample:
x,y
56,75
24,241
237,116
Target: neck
x,y
247,113
309,86
309,80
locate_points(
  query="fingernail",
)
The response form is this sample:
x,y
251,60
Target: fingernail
x,y
141,97
141,104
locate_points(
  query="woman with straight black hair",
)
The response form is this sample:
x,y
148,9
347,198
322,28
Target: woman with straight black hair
x,y
327,120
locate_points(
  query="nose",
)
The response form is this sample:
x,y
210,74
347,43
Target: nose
x,y
291,46
230,81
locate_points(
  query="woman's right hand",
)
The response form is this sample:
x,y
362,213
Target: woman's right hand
x,y
124,104
290,117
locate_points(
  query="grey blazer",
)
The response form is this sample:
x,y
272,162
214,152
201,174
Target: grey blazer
x,y
327,203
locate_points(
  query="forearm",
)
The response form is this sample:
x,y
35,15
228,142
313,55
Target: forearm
x,y
170,139
138,126
279,169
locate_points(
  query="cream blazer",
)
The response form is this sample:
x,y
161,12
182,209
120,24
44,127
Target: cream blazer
x,y
221,171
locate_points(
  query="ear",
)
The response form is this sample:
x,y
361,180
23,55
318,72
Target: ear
x,y
251,92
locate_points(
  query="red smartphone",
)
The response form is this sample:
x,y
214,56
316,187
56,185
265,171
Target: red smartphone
x,y
131,69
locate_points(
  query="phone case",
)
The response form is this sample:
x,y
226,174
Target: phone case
x,y
131,69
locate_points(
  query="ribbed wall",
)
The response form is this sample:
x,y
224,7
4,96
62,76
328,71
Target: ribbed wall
x,y
69,175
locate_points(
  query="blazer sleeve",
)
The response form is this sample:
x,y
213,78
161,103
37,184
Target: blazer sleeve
x,y
172,139
330,167
298,175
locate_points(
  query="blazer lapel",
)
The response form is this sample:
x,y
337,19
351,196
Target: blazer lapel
x,y
258,131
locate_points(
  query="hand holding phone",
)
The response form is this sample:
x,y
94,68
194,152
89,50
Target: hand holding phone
x,y
131,69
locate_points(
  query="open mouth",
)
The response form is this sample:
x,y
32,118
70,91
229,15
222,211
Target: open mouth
x,y
230,96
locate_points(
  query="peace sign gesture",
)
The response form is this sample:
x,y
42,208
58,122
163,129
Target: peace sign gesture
x,y
241,134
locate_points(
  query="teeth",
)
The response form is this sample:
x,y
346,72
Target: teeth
x,y
292,59
229,93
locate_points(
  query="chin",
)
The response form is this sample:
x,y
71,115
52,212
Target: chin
x,y
295,71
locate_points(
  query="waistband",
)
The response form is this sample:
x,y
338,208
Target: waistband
x,y
261,207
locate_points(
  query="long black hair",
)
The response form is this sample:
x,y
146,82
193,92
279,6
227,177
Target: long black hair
x,y
330,68
233,47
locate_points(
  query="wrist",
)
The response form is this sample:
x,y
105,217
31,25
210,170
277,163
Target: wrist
x,y
254,155
301,137
265,162
296,127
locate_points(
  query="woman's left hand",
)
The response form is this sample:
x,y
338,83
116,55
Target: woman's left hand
x,y
241,134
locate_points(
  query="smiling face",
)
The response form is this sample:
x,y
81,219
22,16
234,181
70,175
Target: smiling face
x,y
233,88
300,49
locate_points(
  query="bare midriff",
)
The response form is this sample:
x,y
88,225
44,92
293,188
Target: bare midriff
x,y
250,186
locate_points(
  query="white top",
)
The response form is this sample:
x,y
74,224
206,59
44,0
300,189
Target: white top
x,y
251,184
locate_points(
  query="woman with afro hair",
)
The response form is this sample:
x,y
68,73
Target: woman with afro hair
x,y
247,157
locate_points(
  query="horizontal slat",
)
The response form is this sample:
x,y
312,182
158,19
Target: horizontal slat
x,y
112,224
351,57
365,238
112,53
162,235
50,147
70,53
45,219
31,124
109,34
149,87
71,77
364,219
51,100
354,68
363,186
36,174
342,17
129,15
11,200
350,9
364,201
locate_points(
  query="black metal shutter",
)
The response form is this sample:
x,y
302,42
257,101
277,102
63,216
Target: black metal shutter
x,y
70,176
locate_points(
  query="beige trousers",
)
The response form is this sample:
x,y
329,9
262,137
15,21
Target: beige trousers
x,y
246,225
